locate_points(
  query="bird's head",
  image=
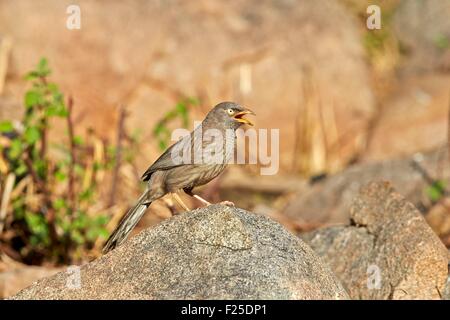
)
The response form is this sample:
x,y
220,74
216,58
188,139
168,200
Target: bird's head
x,y
231,114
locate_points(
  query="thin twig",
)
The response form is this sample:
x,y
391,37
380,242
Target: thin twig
x,y
9,184
44,133
448,130
118,154
43,150
71,187
48,211
34,175
5,49
9,252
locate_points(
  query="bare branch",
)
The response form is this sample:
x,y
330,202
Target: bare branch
x,y
71,187
448,129
9,183
118,154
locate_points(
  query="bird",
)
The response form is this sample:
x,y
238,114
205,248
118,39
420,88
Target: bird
x,y
204,159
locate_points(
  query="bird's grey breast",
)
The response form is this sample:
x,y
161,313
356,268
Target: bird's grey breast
x,y
209,160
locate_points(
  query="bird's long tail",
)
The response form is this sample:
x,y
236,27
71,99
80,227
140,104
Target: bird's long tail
x,y
127,223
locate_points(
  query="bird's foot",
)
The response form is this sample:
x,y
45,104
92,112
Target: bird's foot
x,y
227,203
207,203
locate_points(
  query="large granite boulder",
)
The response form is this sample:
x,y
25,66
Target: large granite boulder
x,y
216,252
387,252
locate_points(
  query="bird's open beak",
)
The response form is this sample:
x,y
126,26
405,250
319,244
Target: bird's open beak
x,y
239,116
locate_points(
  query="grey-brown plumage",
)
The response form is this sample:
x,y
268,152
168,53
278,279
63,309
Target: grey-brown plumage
x,y
207,156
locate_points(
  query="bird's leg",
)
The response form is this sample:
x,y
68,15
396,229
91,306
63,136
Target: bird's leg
x,y
169,203
205,202
180,202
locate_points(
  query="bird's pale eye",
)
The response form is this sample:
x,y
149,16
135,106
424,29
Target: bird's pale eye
x,y
230,111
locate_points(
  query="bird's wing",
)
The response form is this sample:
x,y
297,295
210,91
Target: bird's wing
x,y
166,161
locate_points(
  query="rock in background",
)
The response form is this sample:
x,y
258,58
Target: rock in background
x,y
423,29
284,59
14,279
212,253
414,96
329,201
387,252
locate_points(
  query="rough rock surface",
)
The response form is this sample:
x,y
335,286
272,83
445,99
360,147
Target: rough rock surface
x,y
212,253
388,241
329,201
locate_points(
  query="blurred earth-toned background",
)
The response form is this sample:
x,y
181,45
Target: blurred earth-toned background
x,y
352,105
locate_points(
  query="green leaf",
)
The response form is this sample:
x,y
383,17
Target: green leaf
x,y
162,145
159,128
32,135
18,203
32,75
60,176
19,212
436,191
37,224
101,220
171,115
53,88
34,241
32,98
94,233
78,140
80,222
16,149
65,225
103,233
111,151
21,169
43,64
97,166
6,126
41,167
86,195
76,236
57,110
59,203
181,108
42,68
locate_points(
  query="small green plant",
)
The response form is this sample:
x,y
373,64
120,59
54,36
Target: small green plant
x,y
436,191
51,218
181,110
442,42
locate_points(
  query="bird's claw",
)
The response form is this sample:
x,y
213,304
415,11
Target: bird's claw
x,y
227,203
